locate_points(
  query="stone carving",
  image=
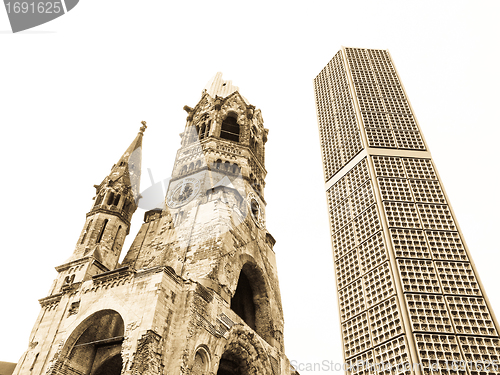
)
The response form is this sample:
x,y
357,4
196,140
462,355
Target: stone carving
x,y
75,306
54,363
33,344
147,358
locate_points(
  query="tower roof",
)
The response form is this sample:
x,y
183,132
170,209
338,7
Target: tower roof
x,y
129,165
218,87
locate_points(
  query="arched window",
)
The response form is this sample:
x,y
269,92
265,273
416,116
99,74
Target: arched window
x,y
202,132
100,197
34,361
239,360
228,366
235,168
230,129
201,362
102,231
126,206
251,302
198,164
95,345
117,200
111,197
218,164
184,170
242,302
191,167
86,231
207,131
227,166
117,240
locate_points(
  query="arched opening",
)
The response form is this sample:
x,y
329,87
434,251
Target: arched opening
x,y
126,206
230,129
229,367
100,197
242,302
251,302
111,197
234,362
117,240
244,354
103,228
201,362
207,131
202,132
218,163
95,345
112,365
86,231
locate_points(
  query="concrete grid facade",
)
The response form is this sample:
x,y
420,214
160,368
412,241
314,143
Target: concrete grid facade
x,y
408,291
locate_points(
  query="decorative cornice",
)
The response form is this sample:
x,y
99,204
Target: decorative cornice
x,y
70,288
65,266
50,300
166,269
114,274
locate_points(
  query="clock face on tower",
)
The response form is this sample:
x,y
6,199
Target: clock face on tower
x,y
256,210
183,192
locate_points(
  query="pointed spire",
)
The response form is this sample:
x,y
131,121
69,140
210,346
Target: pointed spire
x,y
129,165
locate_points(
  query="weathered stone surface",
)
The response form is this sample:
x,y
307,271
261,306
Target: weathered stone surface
x,y
197,292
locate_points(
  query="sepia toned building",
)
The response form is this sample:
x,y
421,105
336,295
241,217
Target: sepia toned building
x,y
410,298
197,292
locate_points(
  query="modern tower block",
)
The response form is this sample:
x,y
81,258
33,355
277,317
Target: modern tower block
x,y
409,295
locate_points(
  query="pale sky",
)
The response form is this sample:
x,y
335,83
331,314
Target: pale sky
x,y
74,91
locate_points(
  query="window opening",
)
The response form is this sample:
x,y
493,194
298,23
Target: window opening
x,y
126,206
207,131
97,344
34,361
86,231
102,231
100,197
230,129
116,238
242,302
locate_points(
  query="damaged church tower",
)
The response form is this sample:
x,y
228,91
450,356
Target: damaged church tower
x,y
197,292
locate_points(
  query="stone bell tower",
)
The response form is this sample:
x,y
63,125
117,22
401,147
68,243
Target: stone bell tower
x,y
197,292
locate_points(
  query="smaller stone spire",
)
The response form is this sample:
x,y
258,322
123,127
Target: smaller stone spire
x,y
108,221
143,127
129,165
